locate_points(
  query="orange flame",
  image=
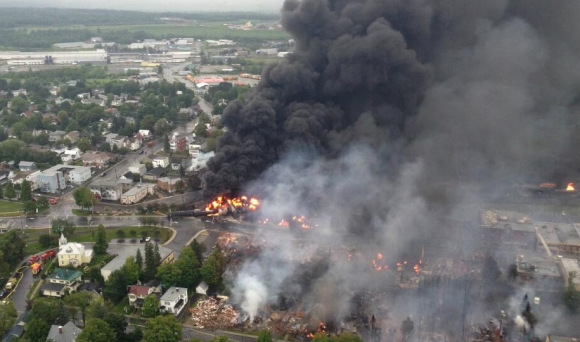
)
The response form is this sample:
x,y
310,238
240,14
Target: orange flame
x,y
570,187
222,203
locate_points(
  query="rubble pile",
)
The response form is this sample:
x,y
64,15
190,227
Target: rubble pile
x,y
292,323
489,218
236,245
213,313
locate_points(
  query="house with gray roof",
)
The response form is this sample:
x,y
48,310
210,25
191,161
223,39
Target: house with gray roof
x,y
64,333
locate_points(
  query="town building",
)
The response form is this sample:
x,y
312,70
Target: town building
x,y
56,136
27,166
72,136
106,190
65,333
137,294
174,300
160,161
166,254
79,175
70,155
170,185
154,174
137,193
194,149
62,280
51,181
138,168
96,159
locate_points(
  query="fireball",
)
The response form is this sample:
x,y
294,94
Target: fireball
x,y
570,187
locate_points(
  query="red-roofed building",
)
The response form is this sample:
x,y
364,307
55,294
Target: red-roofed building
x,y
137,294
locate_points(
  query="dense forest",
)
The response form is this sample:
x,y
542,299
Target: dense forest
x,y
37,17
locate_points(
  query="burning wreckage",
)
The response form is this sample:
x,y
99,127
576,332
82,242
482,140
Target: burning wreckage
x,y
291,314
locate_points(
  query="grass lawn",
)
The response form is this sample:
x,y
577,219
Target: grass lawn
x,y
10,207
89,235
81,212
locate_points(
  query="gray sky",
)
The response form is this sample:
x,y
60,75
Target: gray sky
x,y
158,5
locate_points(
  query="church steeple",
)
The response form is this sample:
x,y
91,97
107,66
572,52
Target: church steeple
x,y
62,241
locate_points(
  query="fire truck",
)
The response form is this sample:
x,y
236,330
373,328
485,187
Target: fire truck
x,y
36,268
51,253
53,201
34,259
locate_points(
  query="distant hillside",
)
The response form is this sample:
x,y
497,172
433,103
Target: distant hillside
x,y
38,17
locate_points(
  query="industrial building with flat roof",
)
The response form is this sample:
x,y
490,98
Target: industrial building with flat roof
x,y
131,251
55,57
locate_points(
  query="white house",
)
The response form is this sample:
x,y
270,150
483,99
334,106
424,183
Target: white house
x,y
70,155
79,175
174,300
194,149
138,168
160,161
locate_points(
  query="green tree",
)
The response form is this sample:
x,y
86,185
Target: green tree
x,y
131,270
10,193
84,144
150,265
44,309
156,254
162,329
150,306
67,227
166,146
84,197
97,330
264,336
47,240
36,330
570,295
30,206
213,268
138,257
12,246
198,249
80,300
116,286
62,316
120,233
1,191
42,203
8,315
25,191
148,122
169,273
118,323
101,244
189,268
18,105
97,308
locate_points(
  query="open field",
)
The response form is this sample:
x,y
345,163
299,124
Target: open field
x,y
198,31
10,206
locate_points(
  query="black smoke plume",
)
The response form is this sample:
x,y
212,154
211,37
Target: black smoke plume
x,y
380,100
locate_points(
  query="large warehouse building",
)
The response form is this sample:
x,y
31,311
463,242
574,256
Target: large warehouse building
x,y
98,56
